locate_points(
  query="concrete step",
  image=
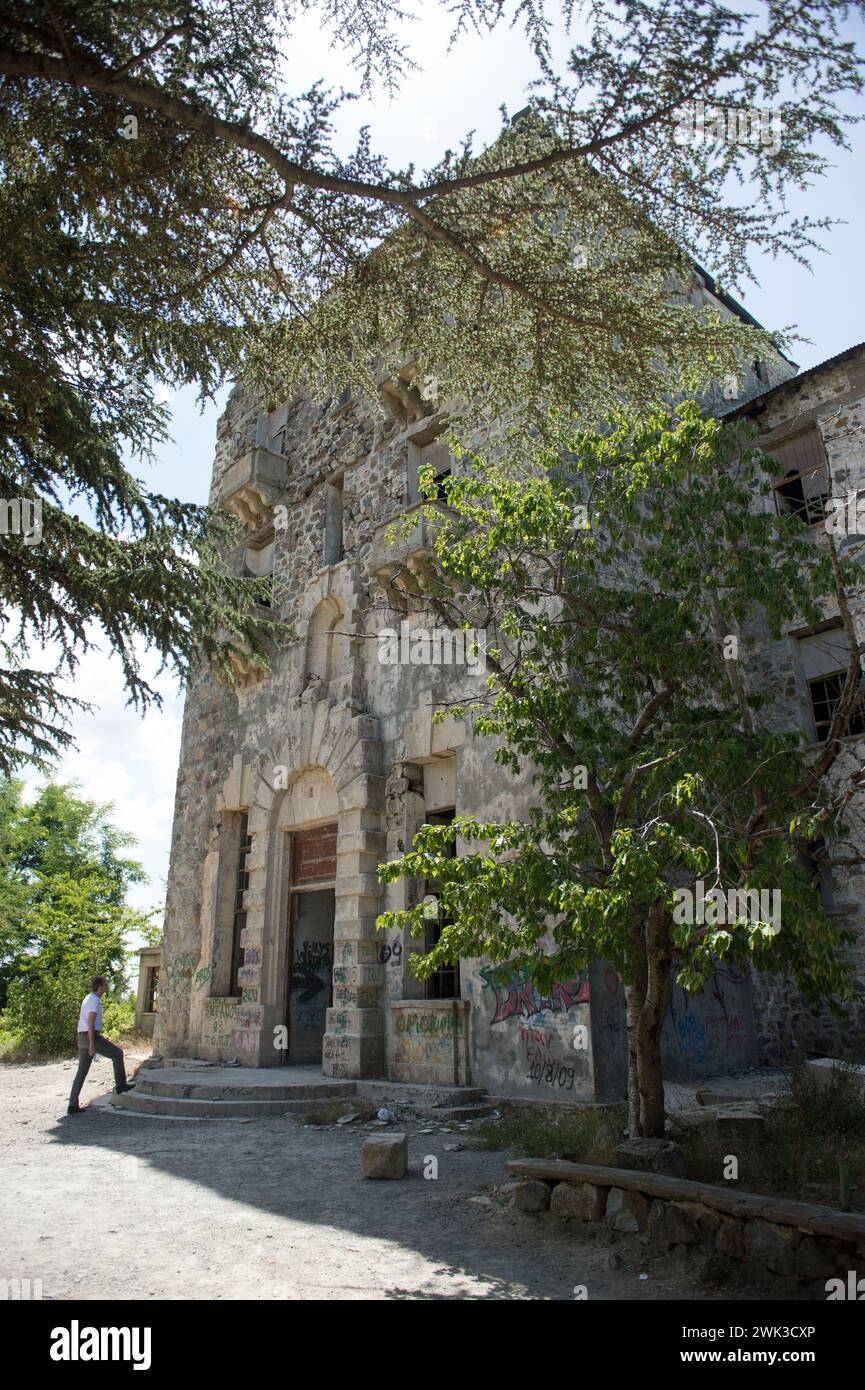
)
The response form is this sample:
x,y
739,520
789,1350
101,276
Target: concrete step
x,y
464,1112
195,1090
435,1099
179,1106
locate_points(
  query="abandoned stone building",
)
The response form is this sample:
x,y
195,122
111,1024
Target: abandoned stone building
x,y
293,786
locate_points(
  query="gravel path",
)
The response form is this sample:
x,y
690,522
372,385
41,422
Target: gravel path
x,y
106,1205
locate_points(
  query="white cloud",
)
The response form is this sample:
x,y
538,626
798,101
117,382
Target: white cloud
x,y
127,759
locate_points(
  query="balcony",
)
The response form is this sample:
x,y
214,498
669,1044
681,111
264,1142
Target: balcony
x,y
405,553
252,486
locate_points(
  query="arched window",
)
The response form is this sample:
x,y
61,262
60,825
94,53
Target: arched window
x,y
324,641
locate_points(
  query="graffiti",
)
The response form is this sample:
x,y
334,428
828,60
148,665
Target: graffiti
x,y
252,955
178,973
244,1042
691,1035
219,1008
392,952
435,1024
203,975
249,996
551,1074
314,955
517,995
308,985
544,1069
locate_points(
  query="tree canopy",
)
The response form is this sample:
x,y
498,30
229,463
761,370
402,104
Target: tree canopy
x,y
64,881
175,207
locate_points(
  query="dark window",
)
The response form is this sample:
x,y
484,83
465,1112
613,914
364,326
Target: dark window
x,y
333,509
441,485
444,983
277,441
240,886
150,989
825,692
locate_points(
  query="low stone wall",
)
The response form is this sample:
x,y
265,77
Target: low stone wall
x,y
428,1042
768,1236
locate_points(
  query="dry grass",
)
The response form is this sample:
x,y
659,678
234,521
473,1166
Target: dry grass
x,y
797,1150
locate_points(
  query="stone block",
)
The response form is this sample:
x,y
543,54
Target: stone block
x,y
730,1238
532,1196
738,1126
577,1202
627,1211
811,1261
385,1156
651,1156
669,1225
764,1246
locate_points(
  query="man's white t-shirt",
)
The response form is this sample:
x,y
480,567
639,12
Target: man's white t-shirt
x,y
91,1003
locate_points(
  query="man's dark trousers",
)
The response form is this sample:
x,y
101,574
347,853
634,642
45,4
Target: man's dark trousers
x,y
105,1049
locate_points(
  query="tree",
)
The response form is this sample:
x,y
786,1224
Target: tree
x,y
64,881
170,213
625,588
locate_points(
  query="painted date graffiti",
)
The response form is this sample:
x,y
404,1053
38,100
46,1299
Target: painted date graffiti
x,y
552,1073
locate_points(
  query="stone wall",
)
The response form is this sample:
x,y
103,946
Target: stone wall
x,y
723,1234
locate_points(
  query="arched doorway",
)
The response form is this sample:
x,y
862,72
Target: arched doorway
x,y
308,992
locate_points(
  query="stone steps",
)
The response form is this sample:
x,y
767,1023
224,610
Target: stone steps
x,y
219,1093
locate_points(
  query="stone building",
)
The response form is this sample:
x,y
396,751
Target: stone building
x,y
293,787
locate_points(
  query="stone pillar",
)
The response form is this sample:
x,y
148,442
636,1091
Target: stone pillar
x,y
354,1040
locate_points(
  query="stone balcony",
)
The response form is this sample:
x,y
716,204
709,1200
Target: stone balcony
x,y
252,486
406,552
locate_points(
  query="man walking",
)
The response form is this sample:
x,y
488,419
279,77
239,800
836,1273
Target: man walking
x,y
91,1041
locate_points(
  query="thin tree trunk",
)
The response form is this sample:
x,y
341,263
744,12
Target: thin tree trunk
x,y
634,996
656,1002
647,1001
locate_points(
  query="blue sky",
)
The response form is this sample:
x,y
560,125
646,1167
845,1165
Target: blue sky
x,y
133,761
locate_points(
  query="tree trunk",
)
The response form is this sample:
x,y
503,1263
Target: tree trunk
x,y
648,1000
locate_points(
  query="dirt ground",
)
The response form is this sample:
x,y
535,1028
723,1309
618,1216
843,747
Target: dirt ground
x,y
105,1205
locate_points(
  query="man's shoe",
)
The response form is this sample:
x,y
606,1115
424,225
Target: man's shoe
x,y
121,1090
74,1110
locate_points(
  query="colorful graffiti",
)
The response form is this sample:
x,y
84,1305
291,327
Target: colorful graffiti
x,y
517,996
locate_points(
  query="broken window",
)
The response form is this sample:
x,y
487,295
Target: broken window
x,y
444,983
825,658
241,883
802,486
151,986
437,456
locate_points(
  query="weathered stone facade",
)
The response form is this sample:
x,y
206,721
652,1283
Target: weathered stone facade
x,y
334,742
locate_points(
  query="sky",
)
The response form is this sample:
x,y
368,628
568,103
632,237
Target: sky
x,y
132,761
